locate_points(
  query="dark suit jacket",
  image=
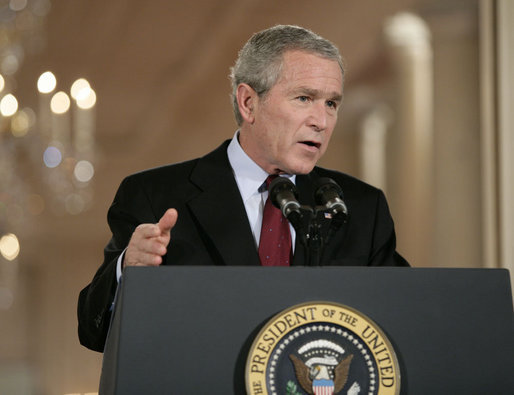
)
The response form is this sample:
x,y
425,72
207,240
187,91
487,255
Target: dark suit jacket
x,y
213,228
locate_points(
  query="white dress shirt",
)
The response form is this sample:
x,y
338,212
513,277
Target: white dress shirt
x,y
250,179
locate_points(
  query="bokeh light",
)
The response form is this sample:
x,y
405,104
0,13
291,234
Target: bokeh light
x,y
20,124
10,64
88,100
80,89
17,5
8,105
46,82
60,103
84,171
74,204
52,157
9,246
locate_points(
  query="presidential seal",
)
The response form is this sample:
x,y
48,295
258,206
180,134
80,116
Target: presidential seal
x,y
322,348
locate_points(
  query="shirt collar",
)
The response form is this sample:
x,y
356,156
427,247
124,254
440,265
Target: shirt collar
x,y
249,175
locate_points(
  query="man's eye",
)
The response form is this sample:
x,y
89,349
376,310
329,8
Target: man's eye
x,y
332,104
303,98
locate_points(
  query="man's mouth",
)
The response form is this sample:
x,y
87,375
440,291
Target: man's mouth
x,y
311,143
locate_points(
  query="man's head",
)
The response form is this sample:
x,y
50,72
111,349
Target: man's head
x,y
288,86
259,63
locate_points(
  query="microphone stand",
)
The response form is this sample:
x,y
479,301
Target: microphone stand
x,y
284,196
313,240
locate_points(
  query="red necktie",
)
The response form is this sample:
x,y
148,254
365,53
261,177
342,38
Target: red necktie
x,y
275,241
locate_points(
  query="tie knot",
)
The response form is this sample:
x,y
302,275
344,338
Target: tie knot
x,y
269,180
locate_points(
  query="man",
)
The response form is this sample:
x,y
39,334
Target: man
x,y
287,88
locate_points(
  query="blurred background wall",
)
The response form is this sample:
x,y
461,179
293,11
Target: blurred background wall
x,y
426,117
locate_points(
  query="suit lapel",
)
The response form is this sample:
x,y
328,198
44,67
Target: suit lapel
x,y
220,211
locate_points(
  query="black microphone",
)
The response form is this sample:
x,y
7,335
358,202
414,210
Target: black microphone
x,y
284,196
330,195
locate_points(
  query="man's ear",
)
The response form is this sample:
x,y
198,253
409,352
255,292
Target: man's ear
x,y
247,100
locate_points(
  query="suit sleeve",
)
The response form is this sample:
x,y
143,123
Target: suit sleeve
x,y
383,251
130,208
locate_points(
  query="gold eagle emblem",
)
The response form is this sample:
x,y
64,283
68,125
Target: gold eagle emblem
x,y
317,370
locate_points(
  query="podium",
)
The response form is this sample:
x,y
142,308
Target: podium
x,y
188,330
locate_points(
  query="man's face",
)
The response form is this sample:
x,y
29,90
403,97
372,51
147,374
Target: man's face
x,y
292,124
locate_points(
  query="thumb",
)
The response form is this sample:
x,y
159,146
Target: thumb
x,y
168,221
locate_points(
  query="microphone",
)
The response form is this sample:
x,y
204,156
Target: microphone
x,y
284,196
330,195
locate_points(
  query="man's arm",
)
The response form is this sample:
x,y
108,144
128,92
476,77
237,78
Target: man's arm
x,y
143,244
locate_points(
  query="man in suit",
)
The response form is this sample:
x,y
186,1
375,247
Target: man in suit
x,y
287,88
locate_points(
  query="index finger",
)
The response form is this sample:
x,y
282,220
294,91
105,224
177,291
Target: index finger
x,y
147,230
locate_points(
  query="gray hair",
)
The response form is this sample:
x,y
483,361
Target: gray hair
x,y
260,60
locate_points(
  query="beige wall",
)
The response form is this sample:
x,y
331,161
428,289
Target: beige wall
x,y
457,200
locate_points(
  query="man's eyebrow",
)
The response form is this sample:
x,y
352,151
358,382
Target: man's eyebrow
x,y
335,96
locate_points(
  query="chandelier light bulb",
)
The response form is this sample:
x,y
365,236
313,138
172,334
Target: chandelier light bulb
x,y
80,89
60,103
88,101
9,246
46,82
8,105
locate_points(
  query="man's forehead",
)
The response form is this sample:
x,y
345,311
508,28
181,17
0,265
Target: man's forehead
x,y
295,55
304,65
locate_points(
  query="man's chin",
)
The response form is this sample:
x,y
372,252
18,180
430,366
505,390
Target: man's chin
x,y
303,168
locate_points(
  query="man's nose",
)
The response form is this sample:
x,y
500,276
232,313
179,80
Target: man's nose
x,y
318,119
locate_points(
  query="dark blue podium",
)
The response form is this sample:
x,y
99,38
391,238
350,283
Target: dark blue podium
x,y
188,330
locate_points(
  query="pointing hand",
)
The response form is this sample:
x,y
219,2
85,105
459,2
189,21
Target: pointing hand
x,y
148,243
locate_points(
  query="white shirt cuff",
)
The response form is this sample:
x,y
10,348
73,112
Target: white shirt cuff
x,y
119,265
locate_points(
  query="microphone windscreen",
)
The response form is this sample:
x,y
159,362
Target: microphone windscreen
x,y
279,186
327,190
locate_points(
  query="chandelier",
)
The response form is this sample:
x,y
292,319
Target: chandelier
x,y
47,151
